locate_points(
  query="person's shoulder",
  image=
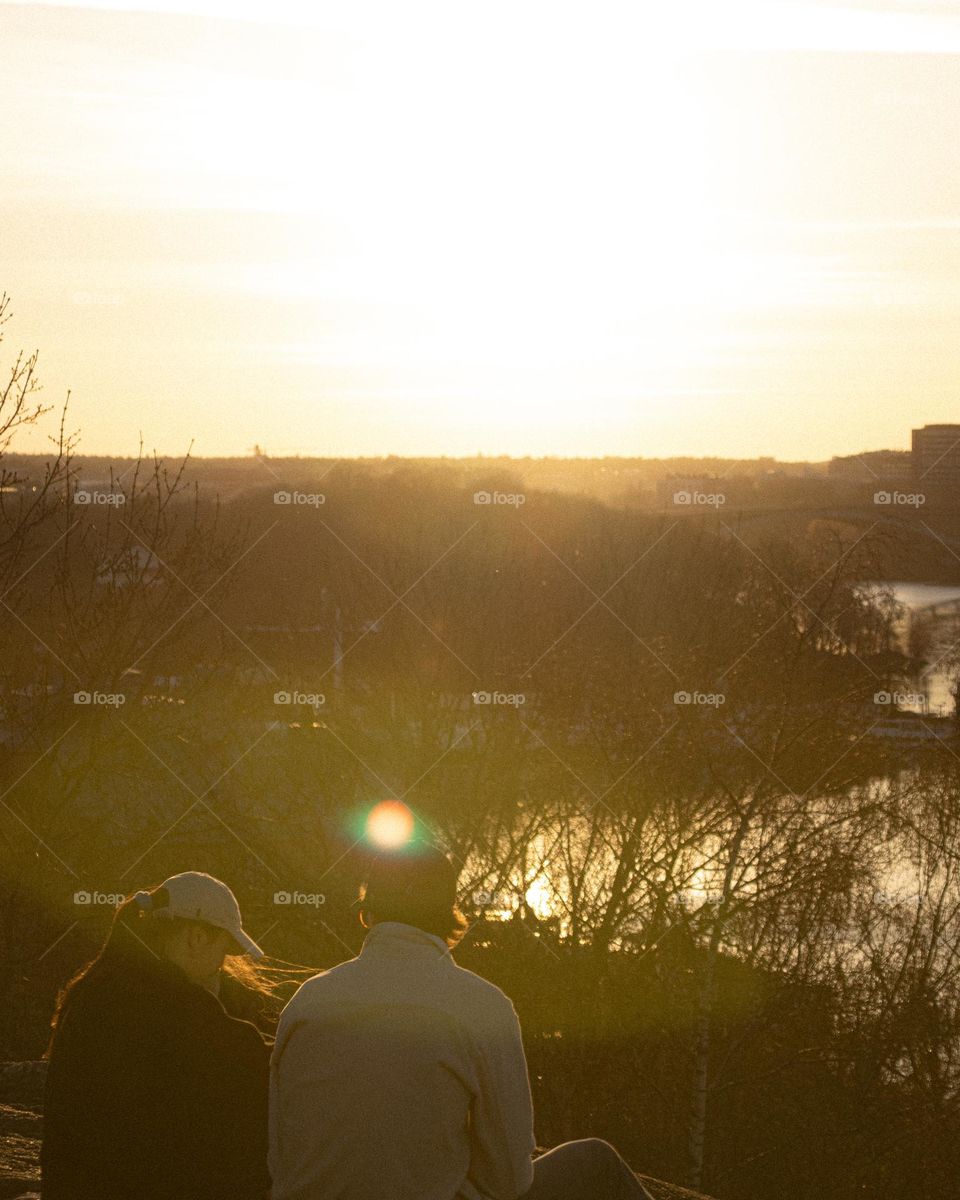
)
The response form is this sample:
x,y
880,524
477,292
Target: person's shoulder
x,y
106,999
107,1016
484,995
315,996
319,987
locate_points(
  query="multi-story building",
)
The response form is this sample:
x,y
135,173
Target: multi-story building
x,y
936,457
873,466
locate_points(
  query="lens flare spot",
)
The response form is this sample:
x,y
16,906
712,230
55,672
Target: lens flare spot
x,y
390,825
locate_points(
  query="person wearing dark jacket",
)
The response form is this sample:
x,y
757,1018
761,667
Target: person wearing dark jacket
x,y
154,1091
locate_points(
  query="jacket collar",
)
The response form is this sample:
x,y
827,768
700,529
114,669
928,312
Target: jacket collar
x,y
397,938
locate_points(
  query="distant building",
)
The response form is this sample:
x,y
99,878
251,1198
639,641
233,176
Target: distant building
x,y
873,466
936,457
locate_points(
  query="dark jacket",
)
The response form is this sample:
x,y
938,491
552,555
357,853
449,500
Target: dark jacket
x,y
154,1092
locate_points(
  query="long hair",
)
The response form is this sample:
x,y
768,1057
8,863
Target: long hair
x,y
135,947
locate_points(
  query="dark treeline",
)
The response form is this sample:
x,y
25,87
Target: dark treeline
x,y
767,497
617,480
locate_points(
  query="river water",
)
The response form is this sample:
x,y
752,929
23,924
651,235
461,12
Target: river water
x,y
926,614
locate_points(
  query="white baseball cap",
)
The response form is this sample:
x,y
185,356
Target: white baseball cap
x,y
199,897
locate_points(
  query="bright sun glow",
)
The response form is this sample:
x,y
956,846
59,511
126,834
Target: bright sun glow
x,y
546,247
527,249
529,228
539,898
390,825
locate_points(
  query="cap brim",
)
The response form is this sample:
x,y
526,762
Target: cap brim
x,y
245,944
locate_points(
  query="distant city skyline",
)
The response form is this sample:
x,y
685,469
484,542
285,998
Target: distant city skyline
x,y
934,449
361,230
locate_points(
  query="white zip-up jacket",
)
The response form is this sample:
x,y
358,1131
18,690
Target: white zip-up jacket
x,y
399,1075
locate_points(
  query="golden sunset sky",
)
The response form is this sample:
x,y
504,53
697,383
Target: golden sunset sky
x,y
513,227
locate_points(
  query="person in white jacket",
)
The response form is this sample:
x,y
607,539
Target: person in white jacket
x,y
399,1075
